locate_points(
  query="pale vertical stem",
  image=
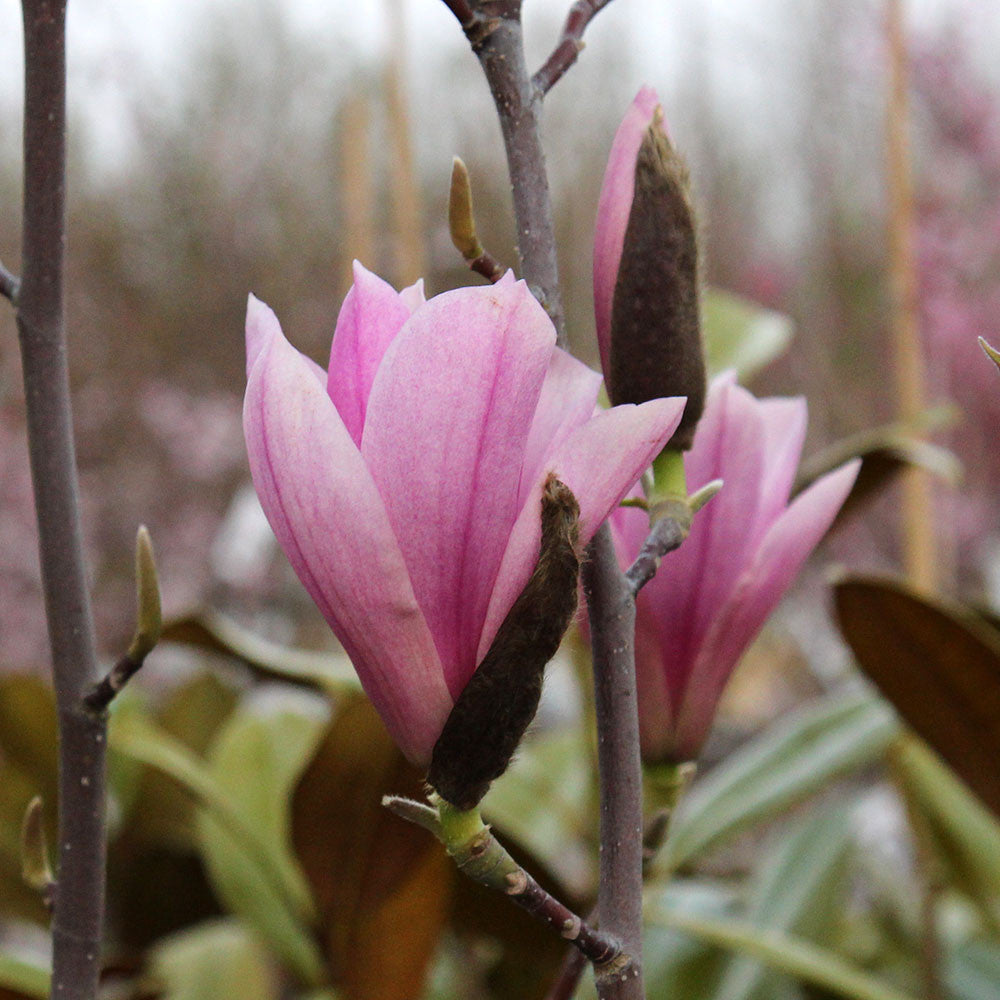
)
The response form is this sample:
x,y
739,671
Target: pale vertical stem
x,y
919,543
79,898
407,214
357,189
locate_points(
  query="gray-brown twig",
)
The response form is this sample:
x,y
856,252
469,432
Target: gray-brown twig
x,y
493,28
78,916
569,46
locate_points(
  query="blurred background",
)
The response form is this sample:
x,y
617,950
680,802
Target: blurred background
x,y
219,148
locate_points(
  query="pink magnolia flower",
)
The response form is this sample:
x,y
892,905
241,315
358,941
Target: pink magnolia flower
x,y
404,486
710,597
613,209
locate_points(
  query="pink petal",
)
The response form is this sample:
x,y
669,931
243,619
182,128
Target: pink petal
x,y
599,462
728,445
568,397
261,326
372,313
613,210
448,420
783,551
328,517
784,434
413,295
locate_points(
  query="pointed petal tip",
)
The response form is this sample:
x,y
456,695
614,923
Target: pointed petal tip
x,y
261,327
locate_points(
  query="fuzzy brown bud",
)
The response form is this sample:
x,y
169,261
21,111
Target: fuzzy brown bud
x,y
656,347
497,705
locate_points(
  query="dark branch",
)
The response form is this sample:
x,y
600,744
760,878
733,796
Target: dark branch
x,y
611,606
462,10
667,535
10,285
569,46
497,39
79,899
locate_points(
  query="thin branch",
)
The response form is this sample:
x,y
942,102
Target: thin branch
x,y
10,285
79,899
611,606
462,10
667,535
498,42
569,46
481,857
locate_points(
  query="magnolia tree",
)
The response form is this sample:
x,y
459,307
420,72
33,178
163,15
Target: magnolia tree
x,y
448,489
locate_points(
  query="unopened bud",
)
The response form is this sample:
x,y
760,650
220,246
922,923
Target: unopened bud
x,y
656,348
991,352
500,700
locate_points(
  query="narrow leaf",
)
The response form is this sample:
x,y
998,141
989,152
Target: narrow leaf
x,y
790,955
787,763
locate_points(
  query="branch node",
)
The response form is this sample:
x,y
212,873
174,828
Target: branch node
x,y
569,46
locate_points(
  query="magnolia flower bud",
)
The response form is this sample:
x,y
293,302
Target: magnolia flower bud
x,y
500,700
646,271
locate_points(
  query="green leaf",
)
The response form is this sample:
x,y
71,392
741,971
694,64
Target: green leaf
x,y
966,836
23,977
276,878
543,800
787,763
676,964
330,672
938,664
782,952
740,334
799,891
256,761
217,959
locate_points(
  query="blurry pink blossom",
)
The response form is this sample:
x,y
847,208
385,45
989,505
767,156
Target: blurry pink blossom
x,y
404,486
711,597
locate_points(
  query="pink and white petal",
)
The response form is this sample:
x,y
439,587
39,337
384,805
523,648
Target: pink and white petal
x,y
728,445
413,295
782,553
613,208
327,515
784,434
371,316
568,397
600,462
448,420
261,326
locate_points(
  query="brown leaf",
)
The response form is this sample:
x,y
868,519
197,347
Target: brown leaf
x,y
938,664
382,886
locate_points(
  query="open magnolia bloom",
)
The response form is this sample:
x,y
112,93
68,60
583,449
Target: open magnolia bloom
x,y
711,596
405,485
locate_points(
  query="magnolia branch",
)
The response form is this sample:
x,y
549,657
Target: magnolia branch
x,y
481,857
569,46
493,28
78,915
